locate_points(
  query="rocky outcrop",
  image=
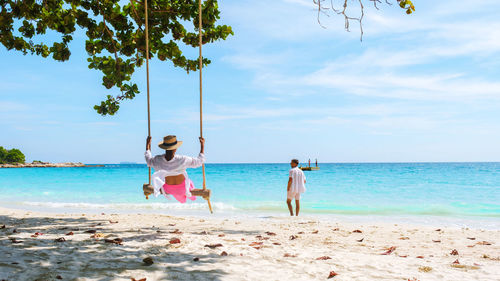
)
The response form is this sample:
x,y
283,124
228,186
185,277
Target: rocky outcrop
x,y
43,165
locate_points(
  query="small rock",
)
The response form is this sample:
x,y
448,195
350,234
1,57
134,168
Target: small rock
x,y
454,252
323,258
357,231
61,239
332,274
456,262
196,259
213,246
175,241
59,277
293,237
148,261
224,253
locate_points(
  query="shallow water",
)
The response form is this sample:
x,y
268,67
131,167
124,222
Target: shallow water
x,y
419,190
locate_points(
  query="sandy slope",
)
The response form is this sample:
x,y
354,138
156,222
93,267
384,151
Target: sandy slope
x,y
272,257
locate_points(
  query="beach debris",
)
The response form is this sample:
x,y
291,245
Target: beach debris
x,y
59,277
224,253
485,256
243,239
436,241
360,240
177,231
102,214
471,246
323,258
413,279
424,268
270,233
464,266
204,232
483,243
439,229
261,238
336,229
357,231
171,224
293,237
276,243
37,234
175,241
3,227
117,241
221,235
315,232
148,261
110,221
60,239
70,233
332,274
97,235
404,238
15,241
454,252
471,238
256,244
287,255
14,263
300,232
419,257
196,259
403,256
389,250
142,279
456,262
90,231
213,246
14,231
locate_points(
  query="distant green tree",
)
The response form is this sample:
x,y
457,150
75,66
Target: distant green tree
x,y
15,156
3,154
115,35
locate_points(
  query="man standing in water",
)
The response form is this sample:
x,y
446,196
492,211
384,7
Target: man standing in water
x,y
296,186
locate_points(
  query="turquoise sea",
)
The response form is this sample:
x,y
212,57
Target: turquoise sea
x,y
458,192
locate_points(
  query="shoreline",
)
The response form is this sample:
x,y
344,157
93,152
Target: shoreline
x,y
200,210
45,165
113,246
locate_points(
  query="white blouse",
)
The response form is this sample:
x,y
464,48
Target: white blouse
x,y
176,166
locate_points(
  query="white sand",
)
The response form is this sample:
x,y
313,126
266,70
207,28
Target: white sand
x,y
81,257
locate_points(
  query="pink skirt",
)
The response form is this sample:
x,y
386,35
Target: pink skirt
x,y
179,191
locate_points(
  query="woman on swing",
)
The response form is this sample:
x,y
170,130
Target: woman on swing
x,y
170,177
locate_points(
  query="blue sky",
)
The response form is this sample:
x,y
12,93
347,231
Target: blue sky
x,y
423,87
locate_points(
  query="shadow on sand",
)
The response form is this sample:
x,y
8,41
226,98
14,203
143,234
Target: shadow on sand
x,y
23,257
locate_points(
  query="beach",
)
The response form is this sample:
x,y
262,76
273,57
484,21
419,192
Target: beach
x,y
107,246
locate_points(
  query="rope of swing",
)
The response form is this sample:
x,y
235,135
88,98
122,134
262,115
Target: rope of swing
x,y
200,61
147,75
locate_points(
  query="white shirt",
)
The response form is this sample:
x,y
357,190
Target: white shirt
x,y
176,166
298,180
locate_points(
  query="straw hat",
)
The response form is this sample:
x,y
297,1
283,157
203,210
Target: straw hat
x,y
170,143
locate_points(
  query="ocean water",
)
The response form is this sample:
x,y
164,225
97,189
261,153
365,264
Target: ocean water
x,y
420,191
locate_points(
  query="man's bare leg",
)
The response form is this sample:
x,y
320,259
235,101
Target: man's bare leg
x,y
297,207
290,208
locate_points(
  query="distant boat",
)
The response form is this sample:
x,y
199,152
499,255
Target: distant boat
x,y
309,168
